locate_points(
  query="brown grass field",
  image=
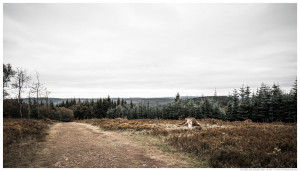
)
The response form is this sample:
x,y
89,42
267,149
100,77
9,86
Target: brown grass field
x,y
19,137
221,144
15,130
218,143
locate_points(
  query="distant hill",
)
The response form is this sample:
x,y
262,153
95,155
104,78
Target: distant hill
x,y
54,100
135,100
151,101
223,100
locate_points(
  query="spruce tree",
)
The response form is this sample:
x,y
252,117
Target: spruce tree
x,y
118,101
8,73
177,98
264,98
276,108
294,102
235,106
245,109
229,111
131,104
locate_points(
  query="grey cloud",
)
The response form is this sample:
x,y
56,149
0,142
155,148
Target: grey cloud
x,y
152,49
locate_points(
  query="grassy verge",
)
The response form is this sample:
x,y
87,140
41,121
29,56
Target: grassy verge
x,y
217,143
159,142
19,140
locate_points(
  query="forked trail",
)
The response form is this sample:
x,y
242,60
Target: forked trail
x,y
82,145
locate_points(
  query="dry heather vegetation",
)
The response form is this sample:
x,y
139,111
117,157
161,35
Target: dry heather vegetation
x,y
15,130
221,144
18,134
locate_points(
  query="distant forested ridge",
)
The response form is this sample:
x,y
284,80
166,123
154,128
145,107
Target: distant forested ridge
x,y
135,100
267,104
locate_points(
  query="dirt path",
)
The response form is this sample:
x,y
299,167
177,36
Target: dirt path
x,y
85,146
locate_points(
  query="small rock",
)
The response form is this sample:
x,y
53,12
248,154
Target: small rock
x,y
57,164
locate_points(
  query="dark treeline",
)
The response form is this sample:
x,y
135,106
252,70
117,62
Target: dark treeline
x,y
92,108
178,109
268,104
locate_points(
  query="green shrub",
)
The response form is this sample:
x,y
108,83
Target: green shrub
x,y
46,112
64,114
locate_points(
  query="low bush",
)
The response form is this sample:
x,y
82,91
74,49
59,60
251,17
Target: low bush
x,y
64,114
45,112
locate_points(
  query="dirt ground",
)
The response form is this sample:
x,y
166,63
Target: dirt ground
x,y
79,145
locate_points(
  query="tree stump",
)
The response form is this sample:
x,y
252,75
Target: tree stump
x,y
248,120
190,122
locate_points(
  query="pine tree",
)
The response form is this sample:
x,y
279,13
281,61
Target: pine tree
x,y
276,108
294,102
235,106
131,104
215,95
67,104
123,102
208,108
118,101
264,99
8,73
191,110
177,98
100,108
109,102
229,112
245,109
51,105
217,112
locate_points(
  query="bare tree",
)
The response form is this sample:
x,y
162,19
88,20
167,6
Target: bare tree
x,y
29,103
37,88
20,82
47,93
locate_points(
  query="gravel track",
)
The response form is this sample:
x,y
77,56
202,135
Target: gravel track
x,y
79,145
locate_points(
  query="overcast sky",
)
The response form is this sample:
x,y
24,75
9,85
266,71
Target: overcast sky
x,y
152,50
